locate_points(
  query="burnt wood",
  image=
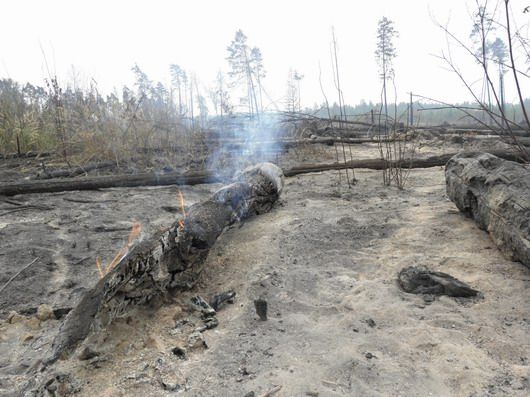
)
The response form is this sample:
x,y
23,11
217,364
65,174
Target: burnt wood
x,y
176,178
495,193
170,260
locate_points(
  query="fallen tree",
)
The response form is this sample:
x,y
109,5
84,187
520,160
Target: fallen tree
x,y
26,155
102,182
378,164
289,143
170,260
473,131
176,178
80,170
496,194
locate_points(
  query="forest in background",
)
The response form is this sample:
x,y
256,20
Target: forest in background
x,y
40,118
74,118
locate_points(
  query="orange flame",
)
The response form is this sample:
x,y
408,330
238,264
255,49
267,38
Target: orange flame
x,y
183,208
100,268
135,232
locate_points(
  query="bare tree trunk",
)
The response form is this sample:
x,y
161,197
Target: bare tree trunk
x,y
515,77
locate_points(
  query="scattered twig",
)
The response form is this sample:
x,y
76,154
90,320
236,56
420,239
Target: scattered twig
x,y
12,202
107,229
17,274
28,207
81,260
87,201
272,391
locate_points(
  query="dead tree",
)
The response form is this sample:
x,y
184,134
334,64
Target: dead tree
x,y
501,123
494,192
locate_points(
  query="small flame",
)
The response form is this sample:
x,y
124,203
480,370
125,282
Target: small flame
x,y
135,232
100,268
183,209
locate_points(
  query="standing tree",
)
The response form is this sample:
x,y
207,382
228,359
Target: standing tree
x,y
143,84
500,122
291,98
203,107
245,69
256,66
393,151
178,79
385,53
499,53
298,77
482,28
219,96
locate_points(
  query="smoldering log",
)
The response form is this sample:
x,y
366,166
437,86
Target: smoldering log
x,y
496,194
176,178
170,260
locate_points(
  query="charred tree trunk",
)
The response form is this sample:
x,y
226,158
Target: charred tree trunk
x,y
495,193
170,260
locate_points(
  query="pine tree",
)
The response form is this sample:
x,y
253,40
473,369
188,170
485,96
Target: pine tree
x,y
385,53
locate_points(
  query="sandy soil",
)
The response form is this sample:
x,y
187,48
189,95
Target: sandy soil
x,y
325,259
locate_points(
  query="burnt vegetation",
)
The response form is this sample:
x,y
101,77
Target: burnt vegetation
x,y
182,124
137,221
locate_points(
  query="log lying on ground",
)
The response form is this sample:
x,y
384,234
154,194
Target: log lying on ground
x,y
291,143
378,164
80,170
170,260
472,131
496,194
506,139
25,155
176,178
102,182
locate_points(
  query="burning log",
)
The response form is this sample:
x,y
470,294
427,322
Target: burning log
x,y
170,260
495,193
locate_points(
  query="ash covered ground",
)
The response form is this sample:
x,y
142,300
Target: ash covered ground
x,y
326,260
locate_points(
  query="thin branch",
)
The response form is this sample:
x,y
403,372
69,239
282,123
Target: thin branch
x,y
17,274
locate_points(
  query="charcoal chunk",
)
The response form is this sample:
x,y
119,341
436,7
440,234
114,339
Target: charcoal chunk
x,y
420,280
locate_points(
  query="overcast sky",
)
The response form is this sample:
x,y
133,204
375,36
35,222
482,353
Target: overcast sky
x,y
103,39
